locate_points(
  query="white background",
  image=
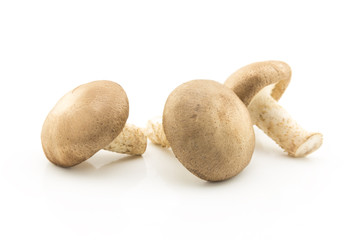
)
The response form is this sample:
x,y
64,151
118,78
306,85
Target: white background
x,y
150,47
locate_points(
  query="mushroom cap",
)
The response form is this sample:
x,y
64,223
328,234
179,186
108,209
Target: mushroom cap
x,y
249,80
209,129
84,121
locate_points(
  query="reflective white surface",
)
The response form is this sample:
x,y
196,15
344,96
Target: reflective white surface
x,y
150,47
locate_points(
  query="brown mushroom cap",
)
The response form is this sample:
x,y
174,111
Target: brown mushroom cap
x,y
84,121
209,129
249,80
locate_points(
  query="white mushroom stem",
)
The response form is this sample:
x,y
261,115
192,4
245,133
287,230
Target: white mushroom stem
x,y
155,132
131,141
275,121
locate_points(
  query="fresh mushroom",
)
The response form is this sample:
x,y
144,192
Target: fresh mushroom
x,y
260,85
208,128
90,118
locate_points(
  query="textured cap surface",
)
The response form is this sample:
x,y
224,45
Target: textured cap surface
x,y
84,121
209,129
249,80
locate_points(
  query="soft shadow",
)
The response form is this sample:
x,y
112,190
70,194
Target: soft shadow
x,y
169,168
102,163
237,180
172,171
264,144
120,170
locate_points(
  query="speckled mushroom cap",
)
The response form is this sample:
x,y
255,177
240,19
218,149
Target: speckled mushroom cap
x,y
249,80
209,129
84,121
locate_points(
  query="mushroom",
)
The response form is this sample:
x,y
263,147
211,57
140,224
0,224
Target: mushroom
x,y
208,128
260,85
89,118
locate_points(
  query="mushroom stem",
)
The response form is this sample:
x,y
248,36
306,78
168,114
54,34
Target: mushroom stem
x,y
155,132
275,121
131,141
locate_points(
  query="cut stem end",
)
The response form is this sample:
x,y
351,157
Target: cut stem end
x,y
130,141
312,143
155,132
